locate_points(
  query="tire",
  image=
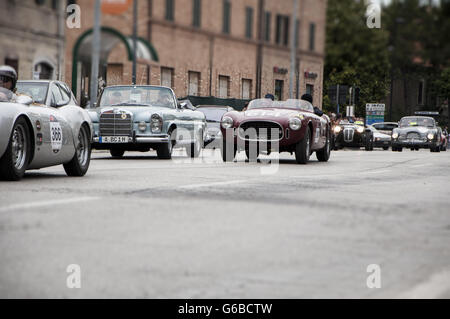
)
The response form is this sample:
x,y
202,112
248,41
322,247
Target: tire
x,y
164,151
116,153
323,155
303,149
369,145
228,151
79,164
252,157
385,148
400,149
195,148
16,158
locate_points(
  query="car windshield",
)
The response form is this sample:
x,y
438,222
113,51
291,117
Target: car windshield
x,y
288,104
138,96
36,90
417,121
213,114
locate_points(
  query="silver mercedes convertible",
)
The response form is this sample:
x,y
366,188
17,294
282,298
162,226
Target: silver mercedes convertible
x,y
42,127
140,118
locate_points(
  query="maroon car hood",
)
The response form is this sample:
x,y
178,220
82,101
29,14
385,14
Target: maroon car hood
x,y
269,113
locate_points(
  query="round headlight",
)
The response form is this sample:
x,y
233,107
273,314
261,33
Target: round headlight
x,y
227,122
395,135
360,129
430,136
156,123
337,129
142,126
295,124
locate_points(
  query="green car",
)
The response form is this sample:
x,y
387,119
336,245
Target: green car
x,y
140,118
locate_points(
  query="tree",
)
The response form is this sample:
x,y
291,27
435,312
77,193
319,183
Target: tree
x,y
355,54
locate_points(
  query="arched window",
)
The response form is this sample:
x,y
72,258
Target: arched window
x,y
44,71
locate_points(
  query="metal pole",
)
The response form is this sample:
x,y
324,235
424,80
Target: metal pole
x,y
135,17
337,99
95,54
293,49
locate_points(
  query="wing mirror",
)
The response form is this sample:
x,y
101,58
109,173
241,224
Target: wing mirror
x,y
318,111
23,99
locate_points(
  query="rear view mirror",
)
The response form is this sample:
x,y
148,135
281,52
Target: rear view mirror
x,y
318,111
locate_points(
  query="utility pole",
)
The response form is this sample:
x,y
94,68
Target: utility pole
x,y
293,49
95,54
135,17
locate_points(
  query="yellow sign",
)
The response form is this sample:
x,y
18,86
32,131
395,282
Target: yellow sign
x,y
115,7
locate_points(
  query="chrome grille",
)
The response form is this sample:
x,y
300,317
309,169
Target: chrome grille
x,y
413,136
349,134
112,124
261,131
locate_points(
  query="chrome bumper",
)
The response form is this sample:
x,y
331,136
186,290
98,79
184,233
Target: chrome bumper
x,y
143,139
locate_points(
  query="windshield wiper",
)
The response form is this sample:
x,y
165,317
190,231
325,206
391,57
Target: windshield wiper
x,y
131,104
212,121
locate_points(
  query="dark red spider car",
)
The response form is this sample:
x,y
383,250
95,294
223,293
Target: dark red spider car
x,y
293,126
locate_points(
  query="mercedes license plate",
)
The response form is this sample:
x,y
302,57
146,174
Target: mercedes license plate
x,y
114,139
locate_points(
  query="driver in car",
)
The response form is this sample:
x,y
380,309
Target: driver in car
x,y
8,80
116,98
164,98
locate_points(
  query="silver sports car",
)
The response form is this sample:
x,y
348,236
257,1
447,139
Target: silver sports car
x,y
140,118
41,127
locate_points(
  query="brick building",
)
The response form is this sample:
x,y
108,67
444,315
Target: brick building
x,y
32,38
223,48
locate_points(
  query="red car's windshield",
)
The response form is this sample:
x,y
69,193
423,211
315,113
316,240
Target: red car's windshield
x,y
289,104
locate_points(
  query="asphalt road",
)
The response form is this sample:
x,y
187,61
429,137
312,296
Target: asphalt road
x,y
144,228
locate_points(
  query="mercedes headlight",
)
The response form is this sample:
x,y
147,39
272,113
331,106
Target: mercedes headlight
x,y
295,124
395,135
227,122
430,136
360,129
337,129
156,123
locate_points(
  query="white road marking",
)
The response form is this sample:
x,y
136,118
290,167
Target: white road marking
x,y
434,288
46,203
193,186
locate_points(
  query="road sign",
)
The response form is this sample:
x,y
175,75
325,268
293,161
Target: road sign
x,y
375,113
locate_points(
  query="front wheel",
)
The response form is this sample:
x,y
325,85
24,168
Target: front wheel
x,y
385,148
164,151
116,153
228,151
194,149
323,155
79,164
17,155
303,148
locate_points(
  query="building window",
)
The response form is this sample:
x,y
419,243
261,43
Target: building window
x,y
249,22
194,83
197,11
224,86
282,33
246,89
14,63
267,23
170,5
279,87
310,89
226,16
167,77
312,36
421,93
43,71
